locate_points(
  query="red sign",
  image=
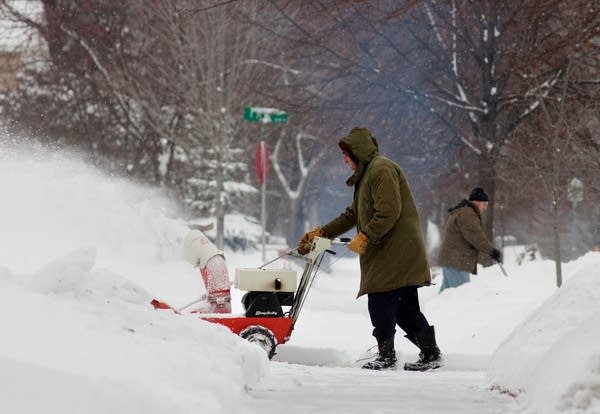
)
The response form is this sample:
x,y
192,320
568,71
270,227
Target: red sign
x,y
262,169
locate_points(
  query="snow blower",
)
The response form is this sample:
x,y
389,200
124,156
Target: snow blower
x,y
273,298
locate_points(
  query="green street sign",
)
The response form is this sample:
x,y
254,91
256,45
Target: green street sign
x,y
265,115
279,118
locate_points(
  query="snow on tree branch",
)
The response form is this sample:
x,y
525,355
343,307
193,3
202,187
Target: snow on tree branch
x,y
303,167
101,68
546,86
272,65
438,35
470,145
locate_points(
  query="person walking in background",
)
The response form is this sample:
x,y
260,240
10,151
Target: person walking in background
x,y
464,239
393,262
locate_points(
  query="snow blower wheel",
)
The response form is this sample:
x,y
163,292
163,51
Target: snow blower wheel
x,y
262,337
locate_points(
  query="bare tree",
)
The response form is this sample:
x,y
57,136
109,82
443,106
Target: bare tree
x,y
550,158
156,88
171,79
213,77
80,87
478,68
306,163
499,62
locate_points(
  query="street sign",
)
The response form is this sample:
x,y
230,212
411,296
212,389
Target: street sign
x,y
262,162
265,115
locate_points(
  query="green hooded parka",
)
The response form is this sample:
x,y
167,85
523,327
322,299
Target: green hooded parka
x,y
383,209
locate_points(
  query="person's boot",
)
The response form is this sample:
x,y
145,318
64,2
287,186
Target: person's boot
x,y
385,359
412,338
430,356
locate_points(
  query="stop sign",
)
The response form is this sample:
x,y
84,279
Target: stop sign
x,y
262,168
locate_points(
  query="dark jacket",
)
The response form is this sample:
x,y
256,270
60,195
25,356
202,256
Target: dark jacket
x,y
463,239
384,210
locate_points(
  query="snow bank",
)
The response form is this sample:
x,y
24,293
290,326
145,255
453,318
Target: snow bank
x,y
82,254
77,345
553,357
476,317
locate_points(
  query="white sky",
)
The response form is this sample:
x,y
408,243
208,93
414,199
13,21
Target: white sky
x,y
81,255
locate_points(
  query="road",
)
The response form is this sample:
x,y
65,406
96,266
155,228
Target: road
x,y
300,389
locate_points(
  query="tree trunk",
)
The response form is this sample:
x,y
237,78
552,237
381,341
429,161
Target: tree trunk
x,y
293,221
487,178
556,233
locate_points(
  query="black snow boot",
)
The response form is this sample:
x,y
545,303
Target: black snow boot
x,y
412,338
430,356
385,359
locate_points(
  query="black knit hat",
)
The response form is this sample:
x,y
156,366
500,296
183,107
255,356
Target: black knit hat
x,y
478,195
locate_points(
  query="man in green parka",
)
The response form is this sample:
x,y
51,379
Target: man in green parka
x,y
393,262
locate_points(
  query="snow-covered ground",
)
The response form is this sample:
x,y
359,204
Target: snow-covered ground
x,y
82,254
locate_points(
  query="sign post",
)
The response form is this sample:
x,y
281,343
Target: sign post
x,y
262,165
574,195
264,116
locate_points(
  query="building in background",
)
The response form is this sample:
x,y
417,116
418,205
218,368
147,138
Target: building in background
x,y
17,41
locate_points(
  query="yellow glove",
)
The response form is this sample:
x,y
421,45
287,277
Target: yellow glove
x,y
359,243
305,242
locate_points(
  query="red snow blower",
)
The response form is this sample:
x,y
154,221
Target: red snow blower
x,y
268,291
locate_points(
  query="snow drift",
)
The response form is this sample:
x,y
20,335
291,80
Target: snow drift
x,y
81,253
553,356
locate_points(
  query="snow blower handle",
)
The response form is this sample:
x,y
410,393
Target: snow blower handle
x,y
337,242
341,241
502,268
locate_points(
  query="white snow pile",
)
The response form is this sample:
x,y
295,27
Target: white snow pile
x,y
80,253
553,356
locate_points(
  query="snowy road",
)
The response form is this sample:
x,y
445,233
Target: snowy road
x,y
292,389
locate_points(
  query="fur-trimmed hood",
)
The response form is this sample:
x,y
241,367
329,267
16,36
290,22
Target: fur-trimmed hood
x,y
362,147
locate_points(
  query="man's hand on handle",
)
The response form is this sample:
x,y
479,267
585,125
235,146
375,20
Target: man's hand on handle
x,y
496,255
307,238
359,243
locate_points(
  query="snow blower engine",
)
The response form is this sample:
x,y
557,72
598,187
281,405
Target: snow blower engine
x,y
267,290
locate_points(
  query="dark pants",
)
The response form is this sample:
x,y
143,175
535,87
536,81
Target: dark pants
x,y
399,306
